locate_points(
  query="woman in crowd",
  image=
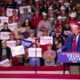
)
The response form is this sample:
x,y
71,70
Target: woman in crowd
x,y
34,61
19,29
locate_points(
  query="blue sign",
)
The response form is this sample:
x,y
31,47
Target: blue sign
x,y
66,57
26,43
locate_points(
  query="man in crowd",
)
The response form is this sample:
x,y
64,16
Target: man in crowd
x,y
5,52
73,45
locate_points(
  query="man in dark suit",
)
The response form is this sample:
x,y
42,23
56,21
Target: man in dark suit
x,y
5,52
73,40
73,45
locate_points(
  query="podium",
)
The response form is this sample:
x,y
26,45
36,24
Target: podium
x,y
69,59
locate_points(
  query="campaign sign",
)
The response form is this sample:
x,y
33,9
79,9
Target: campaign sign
x,y
18,1
11,43
34,52
9,11
3,19
5,35
67,32
26,43
5,63
12,26
68,57
22,9
46,40
18,50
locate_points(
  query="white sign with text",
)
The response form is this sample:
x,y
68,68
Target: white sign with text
x,y
34,52
3,19
11,43
18,50
5,63
5,35
22,9
9,11
46,40
12,26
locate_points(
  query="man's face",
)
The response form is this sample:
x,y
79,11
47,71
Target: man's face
x,y
66,25
31,34
26,11
5,26
28,29
78,7
14,13
57,34
26,22
3,44
63,12
36,12
18,42
75,32
49,47
44,17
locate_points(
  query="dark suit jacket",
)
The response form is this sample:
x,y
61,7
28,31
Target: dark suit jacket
x,y
8,52
69,42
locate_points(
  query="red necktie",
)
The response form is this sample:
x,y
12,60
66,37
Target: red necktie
x,y
74,45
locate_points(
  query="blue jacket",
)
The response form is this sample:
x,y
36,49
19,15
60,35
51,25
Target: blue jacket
x,y
68,44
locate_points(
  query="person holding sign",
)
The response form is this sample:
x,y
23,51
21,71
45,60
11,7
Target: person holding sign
x,y
4,32
32,37
73,45
19,29
5,52
49,56
18,60
14,17
12,36
27,32
34,61
41,42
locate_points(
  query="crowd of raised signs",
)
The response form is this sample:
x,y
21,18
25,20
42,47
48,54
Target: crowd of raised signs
x,y
31,31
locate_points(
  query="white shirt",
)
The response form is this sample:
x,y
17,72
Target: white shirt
x,y
77,38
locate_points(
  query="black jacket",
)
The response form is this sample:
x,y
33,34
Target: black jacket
x,y
8,52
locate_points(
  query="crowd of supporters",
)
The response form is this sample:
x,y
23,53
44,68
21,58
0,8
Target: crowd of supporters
x,y
47,18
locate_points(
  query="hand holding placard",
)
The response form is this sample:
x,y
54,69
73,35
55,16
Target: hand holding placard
x,y
34,52
46,40
5,63
18,50
4,35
